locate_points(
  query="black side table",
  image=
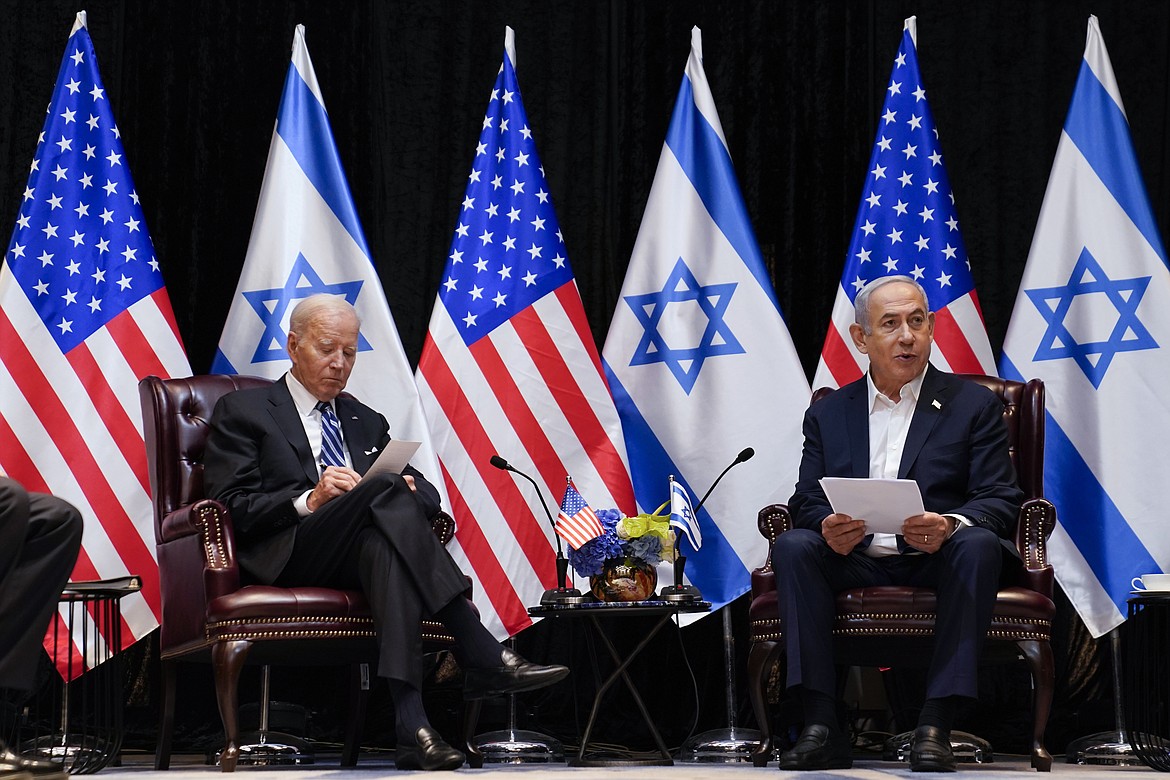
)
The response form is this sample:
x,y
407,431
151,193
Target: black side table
x,y
596,613
1146,678
86,734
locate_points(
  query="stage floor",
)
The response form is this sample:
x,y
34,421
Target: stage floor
x,y
184,767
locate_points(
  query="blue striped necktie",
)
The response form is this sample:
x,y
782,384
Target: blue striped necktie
x,y
331,452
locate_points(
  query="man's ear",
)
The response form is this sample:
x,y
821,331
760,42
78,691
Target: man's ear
x,y
858,335
291,344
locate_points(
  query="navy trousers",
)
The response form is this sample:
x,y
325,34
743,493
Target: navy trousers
x,y
964,573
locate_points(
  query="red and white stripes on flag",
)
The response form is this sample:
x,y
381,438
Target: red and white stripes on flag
x,y
576,522
907,225
509,367
83,316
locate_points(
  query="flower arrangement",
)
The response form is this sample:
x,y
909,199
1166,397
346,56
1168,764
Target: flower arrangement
x,y
647,536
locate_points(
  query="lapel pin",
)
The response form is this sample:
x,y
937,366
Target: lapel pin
x,y
936,404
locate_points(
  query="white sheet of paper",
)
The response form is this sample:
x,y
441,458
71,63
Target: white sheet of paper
x,y
394,458
884,504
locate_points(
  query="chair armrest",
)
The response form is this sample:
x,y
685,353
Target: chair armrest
x,y
1036,522
444,527
772,521
211,522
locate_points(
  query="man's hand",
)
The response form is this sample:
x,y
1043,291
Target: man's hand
x,y
409,480
842,533
927,531
335,481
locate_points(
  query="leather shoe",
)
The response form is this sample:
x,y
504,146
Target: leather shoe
x,y
428,752
512,676
818,747
13,765
930,750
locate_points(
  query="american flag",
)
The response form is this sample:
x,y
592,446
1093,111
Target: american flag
x,y
509,366
907,225
83,316
577,523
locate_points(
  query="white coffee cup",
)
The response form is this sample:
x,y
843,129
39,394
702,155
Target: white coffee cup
x,y
1152,582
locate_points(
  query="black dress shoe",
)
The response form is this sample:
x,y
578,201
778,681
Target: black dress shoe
x,y
13,765
428,752
818,747
930,750
512,676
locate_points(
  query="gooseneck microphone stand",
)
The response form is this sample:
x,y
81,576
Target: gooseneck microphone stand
x,y
511,745
731,744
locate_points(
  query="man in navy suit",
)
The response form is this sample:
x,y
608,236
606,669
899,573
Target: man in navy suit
x,y
288,461
904,419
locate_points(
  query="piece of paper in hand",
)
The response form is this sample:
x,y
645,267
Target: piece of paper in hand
x,y
884,504
394,457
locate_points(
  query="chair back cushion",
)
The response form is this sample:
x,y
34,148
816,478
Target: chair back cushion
x,y
176,423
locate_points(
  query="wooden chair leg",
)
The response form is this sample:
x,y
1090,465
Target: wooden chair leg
x,y
760,659
359,694
227,661
471,711
166,726
1039,657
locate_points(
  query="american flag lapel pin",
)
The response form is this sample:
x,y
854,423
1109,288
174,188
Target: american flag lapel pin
x,y
936,404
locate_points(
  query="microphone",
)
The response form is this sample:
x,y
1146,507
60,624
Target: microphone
x,y
561,594
747,453
678,591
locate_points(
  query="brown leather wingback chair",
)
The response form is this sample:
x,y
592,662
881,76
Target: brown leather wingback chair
x,y
208,612
883,626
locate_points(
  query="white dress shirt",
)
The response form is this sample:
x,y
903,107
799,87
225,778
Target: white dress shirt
x,y
310,417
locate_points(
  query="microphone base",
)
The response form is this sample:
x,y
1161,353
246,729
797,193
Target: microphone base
x,y
561,597
680,593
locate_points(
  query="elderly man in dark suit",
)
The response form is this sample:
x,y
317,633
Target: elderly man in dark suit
x,y
288,461
904,419
40,536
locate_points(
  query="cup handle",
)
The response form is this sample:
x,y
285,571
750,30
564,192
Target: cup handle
x,y
1138,584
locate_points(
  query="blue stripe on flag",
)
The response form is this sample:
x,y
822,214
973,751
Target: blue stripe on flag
x,y
221,365
718,573
705,160
1097,126
304,125
1086,512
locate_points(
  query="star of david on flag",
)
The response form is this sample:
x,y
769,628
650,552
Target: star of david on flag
x,y
682,514
509,366
84,315
907,225
651,309
307,239
1092,319
697,350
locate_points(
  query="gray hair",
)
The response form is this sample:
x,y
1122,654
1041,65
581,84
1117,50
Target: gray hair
x,y
309,308
861,302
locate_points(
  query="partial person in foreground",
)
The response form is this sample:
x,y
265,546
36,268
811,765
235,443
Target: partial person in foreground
x,y
904,419
40,536
288,460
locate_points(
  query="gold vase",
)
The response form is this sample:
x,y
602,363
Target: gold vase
x,y
624,579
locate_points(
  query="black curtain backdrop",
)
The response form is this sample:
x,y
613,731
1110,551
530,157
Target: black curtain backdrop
x,y
798,85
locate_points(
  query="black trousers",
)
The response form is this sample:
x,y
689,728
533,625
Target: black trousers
x,y
40,536
964,573
377,538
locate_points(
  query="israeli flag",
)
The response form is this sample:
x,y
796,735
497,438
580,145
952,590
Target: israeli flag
x,y
307,239
682,514
698,357
1092,319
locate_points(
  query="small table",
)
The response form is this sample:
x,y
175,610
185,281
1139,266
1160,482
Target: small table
x,y
594,611
1146,678
87,643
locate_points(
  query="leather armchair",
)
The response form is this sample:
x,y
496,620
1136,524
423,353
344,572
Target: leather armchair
x,y
209,613
890,626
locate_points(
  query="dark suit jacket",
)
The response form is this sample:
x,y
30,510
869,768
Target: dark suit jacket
x,y
258,462
956,450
